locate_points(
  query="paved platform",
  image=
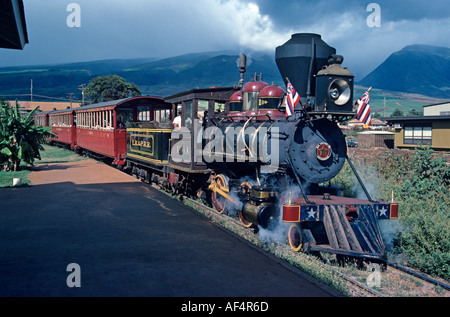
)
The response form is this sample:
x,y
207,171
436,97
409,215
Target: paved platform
x,y
128,240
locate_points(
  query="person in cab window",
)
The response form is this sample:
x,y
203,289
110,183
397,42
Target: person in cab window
x,y
177,121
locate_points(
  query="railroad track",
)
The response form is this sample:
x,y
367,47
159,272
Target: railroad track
x,y
252,238
418,275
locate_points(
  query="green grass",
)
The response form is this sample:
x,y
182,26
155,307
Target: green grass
x,y
405,102
51,154
6,178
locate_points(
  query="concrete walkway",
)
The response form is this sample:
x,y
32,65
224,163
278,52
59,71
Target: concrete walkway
x,y
127,239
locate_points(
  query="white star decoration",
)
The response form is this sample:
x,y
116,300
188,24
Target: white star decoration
x,y
383,211
311,213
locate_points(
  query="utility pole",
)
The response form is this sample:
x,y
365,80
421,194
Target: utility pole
x,y
31,90
384,108
70,95
82,88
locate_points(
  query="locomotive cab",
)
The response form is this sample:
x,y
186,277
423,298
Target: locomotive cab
x,y
200,108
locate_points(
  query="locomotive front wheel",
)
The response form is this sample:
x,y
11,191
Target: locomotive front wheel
x,y
219,189
295,237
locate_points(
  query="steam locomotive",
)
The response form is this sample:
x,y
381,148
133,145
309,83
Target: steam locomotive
x,y
239,151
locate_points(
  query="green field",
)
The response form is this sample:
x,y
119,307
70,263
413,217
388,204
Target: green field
x,y
385,102
51,154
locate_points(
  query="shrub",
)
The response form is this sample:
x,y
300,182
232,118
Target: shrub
x,y
421,184
424,197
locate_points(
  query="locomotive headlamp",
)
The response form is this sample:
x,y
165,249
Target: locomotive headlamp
x,y
334,90
340,92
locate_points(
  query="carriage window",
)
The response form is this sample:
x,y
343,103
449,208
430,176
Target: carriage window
x,y
143,113
202,107
157,115
124,115
188,115
219,107
162,115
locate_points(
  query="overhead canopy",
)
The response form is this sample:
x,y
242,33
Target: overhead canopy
x,y
13,30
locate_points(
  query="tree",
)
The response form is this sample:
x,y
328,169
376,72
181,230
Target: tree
x,y
110,87
415,112
397,113
20,140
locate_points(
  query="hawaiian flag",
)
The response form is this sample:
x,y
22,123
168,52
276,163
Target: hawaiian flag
x,y
292,99
363,114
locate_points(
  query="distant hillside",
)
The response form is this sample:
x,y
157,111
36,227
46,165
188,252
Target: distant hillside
x,y
172,75
385,102
56,80
415,70
154,77
419,69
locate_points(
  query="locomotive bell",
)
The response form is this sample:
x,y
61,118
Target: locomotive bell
x,y
334,87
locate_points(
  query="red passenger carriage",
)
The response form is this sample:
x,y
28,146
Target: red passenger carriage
x,y
63,126
101,128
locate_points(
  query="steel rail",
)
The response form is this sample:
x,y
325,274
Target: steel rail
x,y
418,275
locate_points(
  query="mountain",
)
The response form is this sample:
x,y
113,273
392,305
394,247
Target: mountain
x,y
161,77
56,80
172,75
415,70
420,69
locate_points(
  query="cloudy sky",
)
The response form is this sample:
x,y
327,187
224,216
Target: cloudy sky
x,y
163,28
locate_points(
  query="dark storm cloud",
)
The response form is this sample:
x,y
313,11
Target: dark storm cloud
x,y
164,28
301,12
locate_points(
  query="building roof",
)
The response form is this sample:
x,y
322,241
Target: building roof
x,y
111,103
13,32
376,132
416,118
438,104
117,102
376,121
43,105
214,93
354,121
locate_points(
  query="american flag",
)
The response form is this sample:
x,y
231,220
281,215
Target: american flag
x,y
363,114
292,99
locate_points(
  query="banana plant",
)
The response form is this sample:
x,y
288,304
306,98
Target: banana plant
x,y
20,140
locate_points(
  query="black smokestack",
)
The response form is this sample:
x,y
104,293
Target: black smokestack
x,y
301,58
